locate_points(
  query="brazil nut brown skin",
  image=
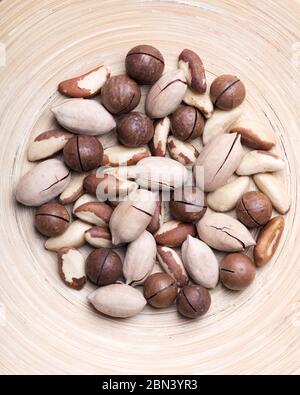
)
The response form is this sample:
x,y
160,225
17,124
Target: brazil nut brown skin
x,y
189,206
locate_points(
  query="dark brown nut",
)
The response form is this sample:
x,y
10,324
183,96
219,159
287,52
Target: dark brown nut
x,y
51,219
193,301
187,123
103,266
120,94
83,153
254,209
174,233
193,69
71,267
135,129
237,271
227,92
145,64
268,240
188,204
160,290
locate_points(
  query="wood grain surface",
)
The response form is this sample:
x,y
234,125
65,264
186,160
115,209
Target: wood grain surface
x,y
47,328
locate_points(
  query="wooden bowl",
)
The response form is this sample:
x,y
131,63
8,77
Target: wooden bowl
x,y
47,328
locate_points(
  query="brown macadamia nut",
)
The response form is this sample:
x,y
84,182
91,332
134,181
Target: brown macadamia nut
x,y
51,219
193,301
120,94
254,209
237,271
145,64
83,153
227,92
103,266
187,123
135,129
188,204
160,290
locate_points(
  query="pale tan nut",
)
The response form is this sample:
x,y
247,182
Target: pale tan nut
x,y
72,237
166,94
225,198
160,173
131,217
254,134
199,100
200,262
172,264
42,183
268,241
118,300
276,191
173,233
47,144
217,162
139,259
86,85
86,198
182,151
158,144
157,218
221,122
99,237
74,190
107,186
260,162
84,116
124,156
71,267
224,233
96,213
191,64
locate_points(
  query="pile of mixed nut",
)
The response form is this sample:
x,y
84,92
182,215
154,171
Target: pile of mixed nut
x,y
184,154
